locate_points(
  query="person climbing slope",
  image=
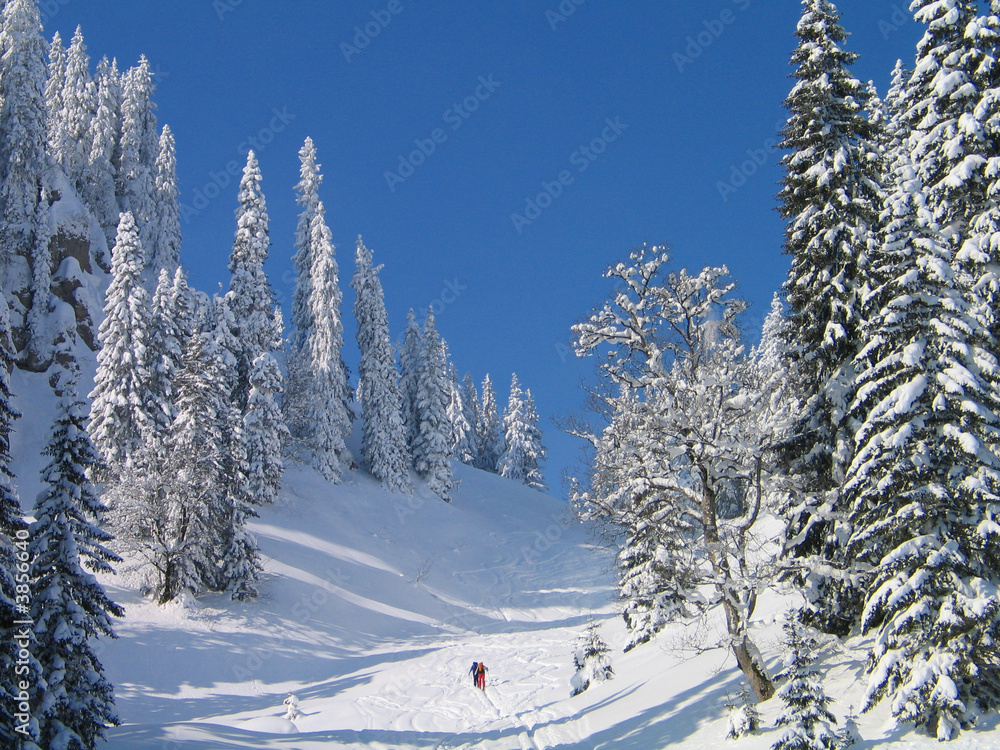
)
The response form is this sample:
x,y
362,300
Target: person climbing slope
x,y
481,676
473,672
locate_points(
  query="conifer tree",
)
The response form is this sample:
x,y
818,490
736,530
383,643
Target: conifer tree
x,y
410,352
119,417
70,144
39,343
54,86
431,448
923,488
22,153
488,430
744,718
830,198
70,609
591,661
165,352
136,182
13,538
166,236
462,428
316,400
467,450
98,189
251,299
383,442
523,450
264,430
807,715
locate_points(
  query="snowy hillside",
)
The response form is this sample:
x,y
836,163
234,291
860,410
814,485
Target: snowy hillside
x,y
373,609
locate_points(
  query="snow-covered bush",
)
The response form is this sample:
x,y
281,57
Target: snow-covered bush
x,y
591,661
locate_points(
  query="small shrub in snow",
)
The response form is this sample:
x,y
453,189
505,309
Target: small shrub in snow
x,y
744,718
291,704
591,661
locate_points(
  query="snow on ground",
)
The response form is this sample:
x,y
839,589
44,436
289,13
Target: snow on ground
x,y
374,607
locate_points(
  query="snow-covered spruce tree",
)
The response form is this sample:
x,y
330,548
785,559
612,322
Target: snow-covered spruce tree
x,y
744,717
489,432
675,337
22,159
830,197
72,144
54,86
523,450
383,441
317,398
39,340
98,188
120,419
923,488
462,429
264,430
13,538
70,609
466,445
165,251
591,661
136,181
536,448
164,350
807,718
431,447
410,352
251,299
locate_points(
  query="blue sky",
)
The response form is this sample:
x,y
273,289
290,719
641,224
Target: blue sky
x,y
443,137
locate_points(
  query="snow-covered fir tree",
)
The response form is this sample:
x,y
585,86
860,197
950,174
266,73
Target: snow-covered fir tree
x,y
98,189
119,417
139,147
23,138
830,197
316,401
164,253
70,608
383,442
13,538
410,352
808,723
264,431
251,299
54,86
39,342
523,450
466,448
431,446
923,486
744,717
70,139
489,430
591,661
165,350
463,428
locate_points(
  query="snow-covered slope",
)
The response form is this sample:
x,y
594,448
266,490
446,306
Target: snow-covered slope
x,y
374,608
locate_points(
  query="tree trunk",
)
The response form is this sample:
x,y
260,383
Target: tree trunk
x,y
755,672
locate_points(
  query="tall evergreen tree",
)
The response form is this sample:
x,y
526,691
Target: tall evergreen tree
x,y
98,189
70,143
431,447
136,182
119,417
70,609
410,352
318,393
13,538
535,449
251,299
166,236
54,86
39,340
923,488
22,152
467,450
165,351
463,429
830,197
264,430
383,442
488,430
523,450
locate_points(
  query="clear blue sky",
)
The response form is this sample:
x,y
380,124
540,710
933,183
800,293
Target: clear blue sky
x,y
542,84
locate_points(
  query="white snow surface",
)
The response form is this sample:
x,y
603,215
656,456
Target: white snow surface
x,y
374,607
